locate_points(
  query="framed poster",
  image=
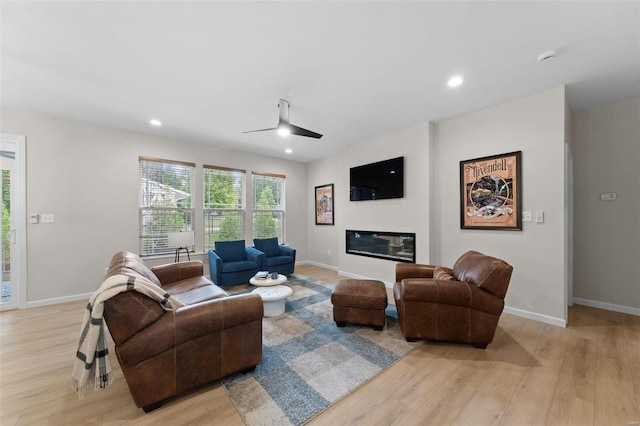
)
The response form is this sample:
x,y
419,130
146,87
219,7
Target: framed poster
x,y
491,192
324,205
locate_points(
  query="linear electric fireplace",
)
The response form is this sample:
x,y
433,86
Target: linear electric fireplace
x,y
397,246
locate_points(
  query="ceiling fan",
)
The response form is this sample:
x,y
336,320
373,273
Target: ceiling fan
x,y
285,128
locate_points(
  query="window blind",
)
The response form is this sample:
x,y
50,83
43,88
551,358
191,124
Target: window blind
x,y
224,195
268,205
165,202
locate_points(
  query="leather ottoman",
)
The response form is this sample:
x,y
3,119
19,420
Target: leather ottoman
x,y
359,302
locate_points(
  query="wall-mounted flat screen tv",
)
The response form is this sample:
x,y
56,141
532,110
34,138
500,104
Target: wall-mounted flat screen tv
x,y
377,181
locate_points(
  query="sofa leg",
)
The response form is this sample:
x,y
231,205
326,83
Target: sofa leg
x,y
480,345
341,324
151,407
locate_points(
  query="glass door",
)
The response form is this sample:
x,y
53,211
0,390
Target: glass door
x,y
12,163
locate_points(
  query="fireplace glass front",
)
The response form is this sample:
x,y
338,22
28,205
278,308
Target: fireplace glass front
x,y
396,246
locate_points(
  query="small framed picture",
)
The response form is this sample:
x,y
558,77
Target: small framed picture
x,y
324,204
491,192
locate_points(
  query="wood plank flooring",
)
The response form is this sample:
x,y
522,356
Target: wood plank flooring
x,y
532,374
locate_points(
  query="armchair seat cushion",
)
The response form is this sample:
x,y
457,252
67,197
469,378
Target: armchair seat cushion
x,y
278,260
239,266
195,290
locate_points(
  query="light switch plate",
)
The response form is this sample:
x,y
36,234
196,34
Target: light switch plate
x,y
539,216
526,217
47,218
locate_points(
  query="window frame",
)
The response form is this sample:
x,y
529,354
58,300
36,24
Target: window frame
x,y
146,211
278,211
240,210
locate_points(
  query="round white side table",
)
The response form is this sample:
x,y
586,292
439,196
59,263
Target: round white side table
x,y
269,281
273,299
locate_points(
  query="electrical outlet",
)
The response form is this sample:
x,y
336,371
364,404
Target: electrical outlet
x,y
526,217
608,196
34,218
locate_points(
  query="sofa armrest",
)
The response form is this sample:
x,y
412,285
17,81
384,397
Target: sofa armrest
x,y
173,272
255,255
288,251
215,267
216,315
413,270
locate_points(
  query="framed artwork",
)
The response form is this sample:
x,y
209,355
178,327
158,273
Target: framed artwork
x,y
491,192
324,204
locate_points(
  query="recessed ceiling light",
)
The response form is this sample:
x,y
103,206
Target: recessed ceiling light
x,y
288,150
155,122
455,81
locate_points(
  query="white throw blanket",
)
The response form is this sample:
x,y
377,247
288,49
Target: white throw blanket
x,y
92,361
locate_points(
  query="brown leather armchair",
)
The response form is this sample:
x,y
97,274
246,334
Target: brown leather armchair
x,y
164,353
462,304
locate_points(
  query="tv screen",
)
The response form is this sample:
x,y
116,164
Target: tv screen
x,y
377,181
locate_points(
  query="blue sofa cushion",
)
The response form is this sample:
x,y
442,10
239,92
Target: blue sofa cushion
x,y
278,260
231,251
238,266
268,246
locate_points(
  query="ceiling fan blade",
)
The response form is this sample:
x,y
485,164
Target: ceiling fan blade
x,y
261,130
295,130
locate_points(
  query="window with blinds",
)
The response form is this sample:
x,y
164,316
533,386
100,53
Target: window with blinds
x,y
268,205
165,203
224,190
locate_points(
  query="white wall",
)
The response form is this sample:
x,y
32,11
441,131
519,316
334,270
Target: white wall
x,y
606,145
409,214
536,126
87,176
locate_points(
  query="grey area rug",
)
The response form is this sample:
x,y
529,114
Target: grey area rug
x,y
308,363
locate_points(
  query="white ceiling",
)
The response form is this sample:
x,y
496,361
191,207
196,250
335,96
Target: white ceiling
x,y
350,70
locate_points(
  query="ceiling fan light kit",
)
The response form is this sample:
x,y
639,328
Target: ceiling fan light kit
x,y
284,127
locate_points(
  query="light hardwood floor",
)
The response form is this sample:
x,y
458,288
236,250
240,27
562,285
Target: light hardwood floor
x,y
532,374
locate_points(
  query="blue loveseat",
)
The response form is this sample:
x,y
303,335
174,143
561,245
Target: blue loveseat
x,y
233,263
277,258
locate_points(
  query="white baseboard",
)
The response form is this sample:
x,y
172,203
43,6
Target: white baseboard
x,y
318,264
559,322
56,300
608,306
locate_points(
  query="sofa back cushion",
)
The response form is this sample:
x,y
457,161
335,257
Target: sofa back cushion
x,y
231,251
269,246
488,273
127,263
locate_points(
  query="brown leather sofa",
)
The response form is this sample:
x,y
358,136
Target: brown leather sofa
x,y
164,353
462,304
